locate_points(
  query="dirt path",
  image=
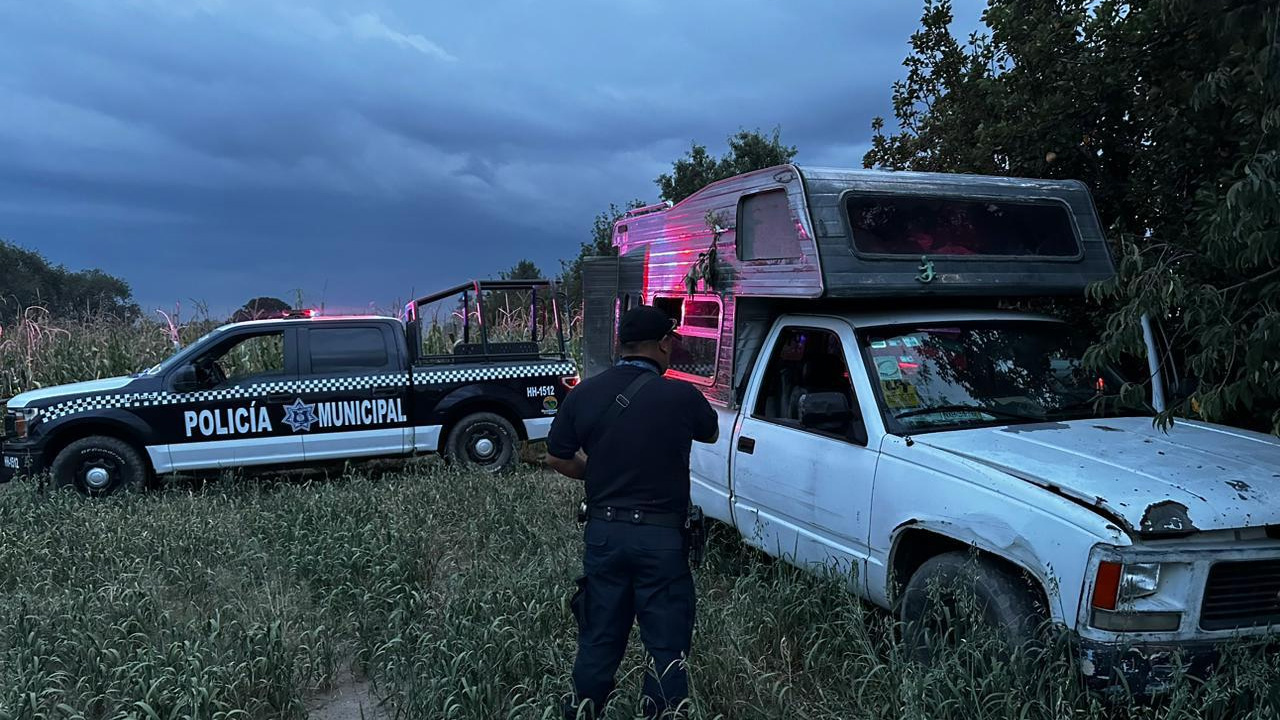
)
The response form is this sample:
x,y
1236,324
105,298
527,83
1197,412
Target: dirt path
x,y
350,699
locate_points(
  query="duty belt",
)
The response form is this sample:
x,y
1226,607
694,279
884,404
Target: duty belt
x,y
639,517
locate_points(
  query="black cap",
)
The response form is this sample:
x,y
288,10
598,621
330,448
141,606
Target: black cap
x,y
644,322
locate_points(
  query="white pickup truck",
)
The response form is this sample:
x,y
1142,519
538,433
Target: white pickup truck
x,y
881,413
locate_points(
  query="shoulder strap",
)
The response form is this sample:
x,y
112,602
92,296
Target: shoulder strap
x,y
620,403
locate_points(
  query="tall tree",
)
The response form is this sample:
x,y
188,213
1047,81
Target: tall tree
x,y
748,150
1170,111
260,308
601,243
523,270
27,279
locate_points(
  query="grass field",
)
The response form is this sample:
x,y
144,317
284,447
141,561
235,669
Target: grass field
x,y
445,594
246,598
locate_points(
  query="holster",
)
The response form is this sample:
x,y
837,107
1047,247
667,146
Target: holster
x,y
697,535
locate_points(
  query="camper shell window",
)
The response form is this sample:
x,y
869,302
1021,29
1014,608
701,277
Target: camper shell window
x,y
698,324
765,230
914,226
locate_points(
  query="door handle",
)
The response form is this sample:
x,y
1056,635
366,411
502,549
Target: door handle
x,y
279,397
746,444
387,391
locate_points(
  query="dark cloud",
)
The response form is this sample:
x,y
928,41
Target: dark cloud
x,y
223,149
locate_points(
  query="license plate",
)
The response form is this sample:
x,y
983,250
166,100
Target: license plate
x,y
11,462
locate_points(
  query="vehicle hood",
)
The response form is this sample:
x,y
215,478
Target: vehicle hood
x,y
43,396
1194,477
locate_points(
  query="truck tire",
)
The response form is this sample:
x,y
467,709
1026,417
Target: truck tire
x,y
98,466
1005,603
483,441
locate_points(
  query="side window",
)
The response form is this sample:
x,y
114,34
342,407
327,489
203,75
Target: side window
x,y
807,361
255,358
337,350
765,228
698,324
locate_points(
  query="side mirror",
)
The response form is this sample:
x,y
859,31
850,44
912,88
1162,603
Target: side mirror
x,y
185,379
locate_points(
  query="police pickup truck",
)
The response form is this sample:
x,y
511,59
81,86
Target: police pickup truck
x,y
465,372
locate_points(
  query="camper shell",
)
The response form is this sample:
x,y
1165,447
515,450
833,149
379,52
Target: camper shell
x,y
728,259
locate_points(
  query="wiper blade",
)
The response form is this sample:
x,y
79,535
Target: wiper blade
x,y
965,408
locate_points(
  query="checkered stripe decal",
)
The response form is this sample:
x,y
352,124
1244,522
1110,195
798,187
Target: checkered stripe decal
x,y
492,373
319,385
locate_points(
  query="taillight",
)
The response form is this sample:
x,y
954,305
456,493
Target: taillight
x,y
570,381
1106,587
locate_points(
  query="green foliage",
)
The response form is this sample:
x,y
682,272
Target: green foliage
x,y
259,308
27,279
245,598
1170,111
748,150
601,243
40,350
523,270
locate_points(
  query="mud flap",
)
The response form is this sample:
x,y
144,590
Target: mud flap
x,y
578,603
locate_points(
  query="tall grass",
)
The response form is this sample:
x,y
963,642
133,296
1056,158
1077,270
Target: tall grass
x,y
449,592
38,350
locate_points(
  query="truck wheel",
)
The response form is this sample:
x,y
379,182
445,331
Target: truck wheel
x,y
484,441
1004,602
98,466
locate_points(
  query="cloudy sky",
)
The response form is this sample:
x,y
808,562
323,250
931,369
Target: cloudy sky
x,y
215,150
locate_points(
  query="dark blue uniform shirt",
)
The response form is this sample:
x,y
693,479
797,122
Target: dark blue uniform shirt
x,y
642,463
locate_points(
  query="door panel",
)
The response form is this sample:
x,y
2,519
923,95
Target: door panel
x,y
709,470
353,401
803,493
238,420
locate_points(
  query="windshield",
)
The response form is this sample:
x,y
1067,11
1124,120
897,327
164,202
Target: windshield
x,y
955,375
180,354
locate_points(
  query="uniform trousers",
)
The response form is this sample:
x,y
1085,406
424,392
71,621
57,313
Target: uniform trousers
x,y
633,573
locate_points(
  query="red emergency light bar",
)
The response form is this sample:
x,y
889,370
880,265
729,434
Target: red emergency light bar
x,y
304,313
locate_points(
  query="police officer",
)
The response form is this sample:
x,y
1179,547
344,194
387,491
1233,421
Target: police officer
x,y
627,432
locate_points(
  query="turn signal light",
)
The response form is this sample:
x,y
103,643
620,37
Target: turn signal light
x,y
1106,587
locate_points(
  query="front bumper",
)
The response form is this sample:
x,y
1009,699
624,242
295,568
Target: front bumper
x,y
1145,669
16,461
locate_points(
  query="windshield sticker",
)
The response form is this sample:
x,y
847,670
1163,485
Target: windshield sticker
x,y
899,394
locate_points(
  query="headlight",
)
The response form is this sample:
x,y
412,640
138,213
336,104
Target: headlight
x,y
1117,584
1114,589
1139,580
22,420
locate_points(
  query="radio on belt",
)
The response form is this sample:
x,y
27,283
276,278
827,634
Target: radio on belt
x,y
470,372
